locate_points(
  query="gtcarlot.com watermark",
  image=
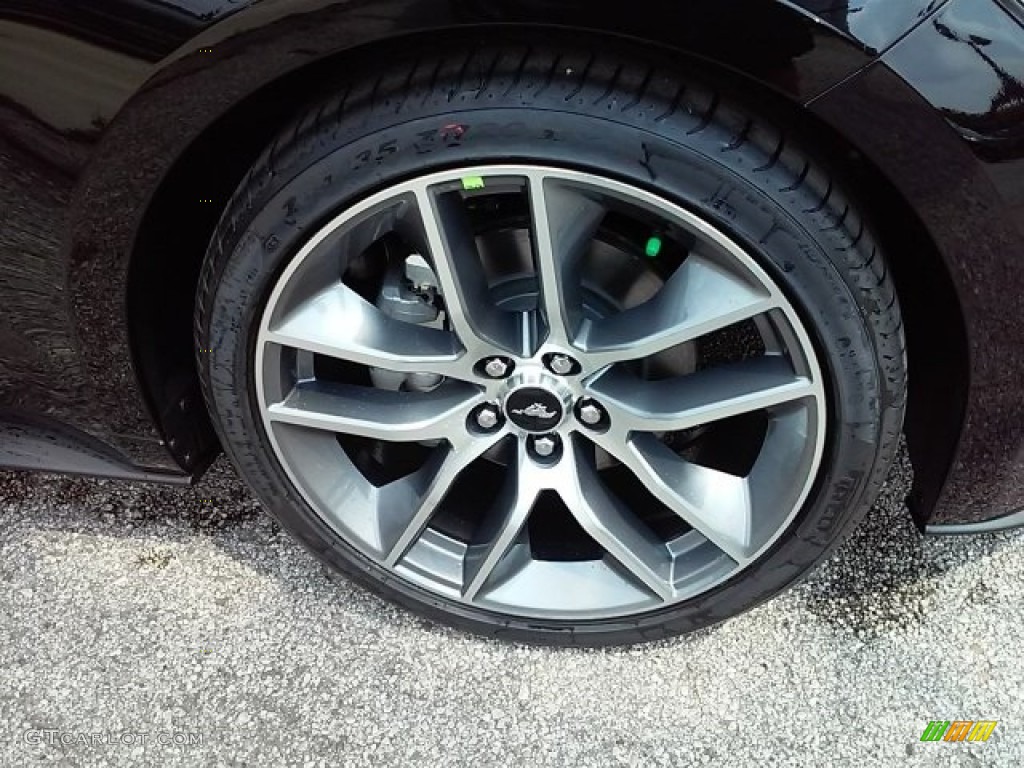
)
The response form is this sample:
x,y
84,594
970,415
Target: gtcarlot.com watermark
x,y
54,737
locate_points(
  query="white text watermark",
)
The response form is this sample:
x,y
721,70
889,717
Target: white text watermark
x,y
53,736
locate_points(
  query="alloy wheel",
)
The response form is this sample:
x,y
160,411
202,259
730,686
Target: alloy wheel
x,y
623,403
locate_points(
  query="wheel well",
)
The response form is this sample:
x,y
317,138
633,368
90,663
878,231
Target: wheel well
x,y
938,363
188,203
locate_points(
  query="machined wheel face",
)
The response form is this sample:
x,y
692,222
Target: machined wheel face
x,y
540,392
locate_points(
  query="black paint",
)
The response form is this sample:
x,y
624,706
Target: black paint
x,y
125,125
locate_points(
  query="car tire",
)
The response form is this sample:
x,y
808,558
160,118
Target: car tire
x,y
654,134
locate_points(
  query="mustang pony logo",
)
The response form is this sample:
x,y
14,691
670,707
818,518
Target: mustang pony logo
x,y
535,411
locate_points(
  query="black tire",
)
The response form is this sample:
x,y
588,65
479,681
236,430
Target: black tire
x,y
664,129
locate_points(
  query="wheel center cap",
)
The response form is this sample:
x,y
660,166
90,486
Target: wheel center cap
x,y
534,409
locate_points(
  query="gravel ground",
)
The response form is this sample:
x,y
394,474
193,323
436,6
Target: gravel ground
x,y
140,614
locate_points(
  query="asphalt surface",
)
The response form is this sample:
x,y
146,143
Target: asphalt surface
x,y
139,615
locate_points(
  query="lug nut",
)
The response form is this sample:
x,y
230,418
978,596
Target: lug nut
x,y
487,417
496,367
561,364
545,446
591,413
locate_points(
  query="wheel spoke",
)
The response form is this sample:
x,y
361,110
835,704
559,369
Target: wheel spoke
x,y
339,323
376,413
699,298
479,325
408,521
699,398
715,504
631,544
564,222
503,525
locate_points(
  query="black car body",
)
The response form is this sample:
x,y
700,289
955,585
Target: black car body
x,y
121,132
125,125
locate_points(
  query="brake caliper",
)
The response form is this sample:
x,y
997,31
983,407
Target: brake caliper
x,y
409,293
